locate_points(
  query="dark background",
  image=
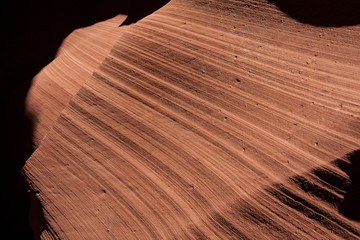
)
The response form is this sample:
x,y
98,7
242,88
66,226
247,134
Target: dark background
x,y
326,13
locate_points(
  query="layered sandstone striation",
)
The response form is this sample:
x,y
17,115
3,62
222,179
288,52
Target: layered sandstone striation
x,y
77,58
207,119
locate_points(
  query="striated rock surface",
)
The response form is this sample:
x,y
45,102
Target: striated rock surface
x,y
77,58
208,119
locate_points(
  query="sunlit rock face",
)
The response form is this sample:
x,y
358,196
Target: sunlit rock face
x,y
77,58
206,119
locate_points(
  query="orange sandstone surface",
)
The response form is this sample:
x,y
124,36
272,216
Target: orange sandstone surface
x,y
205,120
77,58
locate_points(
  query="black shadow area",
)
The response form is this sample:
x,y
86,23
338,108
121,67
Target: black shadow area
x,y
350,207
329,187
31,33
327,13
142,9
308,196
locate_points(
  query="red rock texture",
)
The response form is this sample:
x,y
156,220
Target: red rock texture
x,y
207,119
77,58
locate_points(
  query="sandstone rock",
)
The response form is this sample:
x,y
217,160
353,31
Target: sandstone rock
x,y
203,121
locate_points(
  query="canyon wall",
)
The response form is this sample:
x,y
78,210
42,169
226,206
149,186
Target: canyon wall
x,y
206,119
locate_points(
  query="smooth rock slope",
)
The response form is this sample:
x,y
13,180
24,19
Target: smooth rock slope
x,y
208,119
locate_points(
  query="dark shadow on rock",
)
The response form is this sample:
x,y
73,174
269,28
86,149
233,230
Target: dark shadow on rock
x,y
327,13
37,220
31,33
328,186
302,201
350,207
341,192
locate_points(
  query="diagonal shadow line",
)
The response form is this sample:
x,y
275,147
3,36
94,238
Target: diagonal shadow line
x,y
324,184
329,187
339,191
350,207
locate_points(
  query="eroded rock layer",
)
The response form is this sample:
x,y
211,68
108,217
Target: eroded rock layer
x,y
209,119
77,58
